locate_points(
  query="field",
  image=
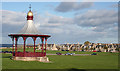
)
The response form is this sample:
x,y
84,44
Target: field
x,y
101,61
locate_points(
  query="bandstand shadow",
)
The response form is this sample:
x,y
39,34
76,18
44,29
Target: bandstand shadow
x,y
74,69
7,57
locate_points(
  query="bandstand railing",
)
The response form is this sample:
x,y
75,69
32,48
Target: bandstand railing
x,y
29,54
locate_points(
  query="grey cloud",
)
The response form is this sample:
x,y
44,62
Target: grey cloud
x,y
7,28
82,5
72,6
101,19
12,22
99,29
58,19
65,6
11,17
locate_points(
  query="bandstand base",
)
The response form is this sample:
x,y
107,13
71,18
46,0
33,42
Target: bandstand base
x,y
40,59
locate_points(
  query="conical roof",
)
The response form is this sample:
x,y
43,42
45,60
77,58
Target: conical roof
x,y
29,28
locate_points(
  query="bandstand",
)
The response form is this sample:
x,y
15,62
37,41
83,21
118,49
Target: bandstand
x,y
29,30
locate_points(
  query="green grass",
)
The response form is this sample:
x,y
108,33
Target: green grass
x,y
100,61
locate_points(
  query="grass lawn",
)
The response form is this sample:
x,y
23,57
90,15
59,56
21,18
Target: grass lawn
x,y
101,61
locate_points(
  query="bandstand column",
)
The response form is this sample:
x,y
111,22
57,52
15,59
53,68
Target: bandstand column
x,y
24,38
15,45
45,45
34,38
42,44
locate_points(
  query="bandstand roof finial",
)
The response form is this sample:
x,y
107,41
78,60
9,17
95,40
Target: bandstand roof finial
x,y
30,7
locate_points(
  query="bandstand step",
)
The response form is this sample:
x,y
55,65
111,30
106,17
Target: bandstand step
x,y
40,59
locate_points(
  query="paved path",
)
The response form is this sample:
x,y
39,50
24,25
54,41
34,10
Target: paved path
x,y
64,54
73,55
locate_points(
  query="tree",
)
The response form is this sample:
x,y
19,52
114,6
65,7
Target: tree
x,y
105,47
91,48
86,43
86,48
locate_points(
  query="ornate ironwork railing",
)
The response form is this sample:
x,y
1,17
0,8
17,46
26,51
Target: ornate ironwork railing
x,y
29,54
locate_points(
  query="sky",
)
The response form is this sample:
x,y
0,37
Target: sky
x,y
66,22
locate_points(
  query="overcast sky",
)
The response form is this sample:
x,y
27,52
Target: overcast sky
x,y
66,22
